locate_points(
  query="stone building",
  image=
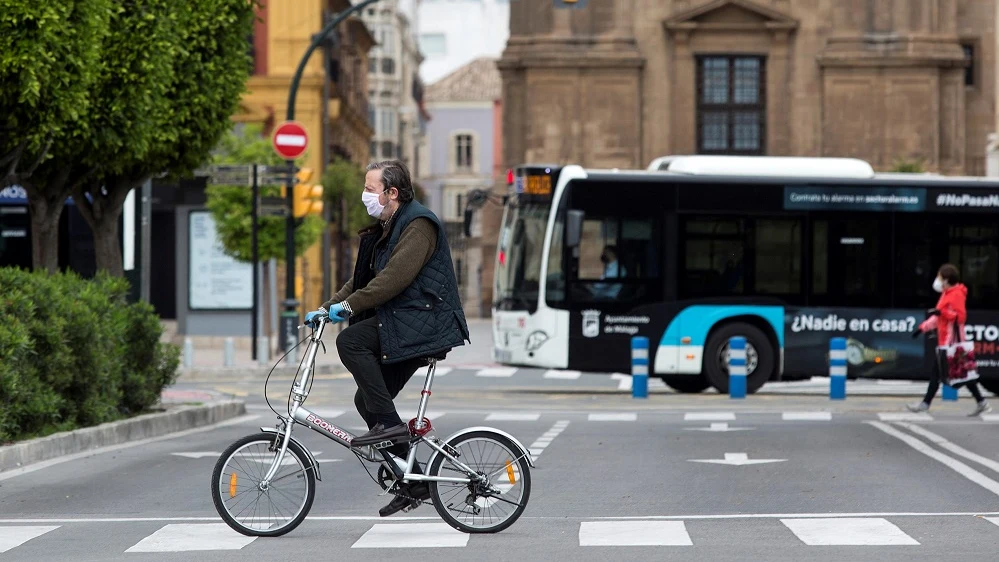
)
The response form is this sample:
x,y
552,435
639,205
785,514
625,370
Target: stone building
x,y
617,83
463,152
395,92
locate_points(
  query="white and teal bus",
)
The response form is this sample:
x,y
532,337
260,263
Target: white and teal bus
x,y
788,252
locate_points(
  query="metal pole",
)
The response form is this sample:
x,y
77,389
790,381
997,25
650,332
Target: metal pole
x,y
289,318
255,251
146,243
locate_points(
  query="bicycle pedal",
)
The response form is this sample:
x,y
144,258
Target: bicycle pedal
x,y
383,444
412,505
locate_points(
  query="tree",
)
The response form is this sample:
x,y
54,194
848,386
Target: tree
x,y
231,207
160,106
49,53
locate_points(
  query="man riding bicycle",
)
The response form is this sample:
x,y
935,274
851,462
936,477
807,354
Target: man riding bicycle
x,y
403,308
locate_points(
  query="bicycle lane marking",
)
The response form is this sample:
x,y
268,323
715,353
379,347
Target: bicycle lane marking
x,y
950,462
546,439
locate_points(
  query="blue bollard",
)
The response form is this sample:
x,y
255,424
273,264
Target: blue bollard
x,y
639,367
737,367
949,392
837,369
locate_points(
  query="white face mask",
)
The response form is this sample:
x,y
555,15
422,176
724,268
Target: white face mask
x,y
375,209
938,285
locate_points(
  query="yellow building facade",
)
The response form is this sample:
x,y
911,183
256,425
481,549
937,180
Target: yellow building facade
x,y
331,104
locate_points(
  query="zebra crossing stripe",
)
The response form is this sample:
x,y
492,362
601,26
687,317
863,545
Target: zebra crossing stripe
x,y
874,531
502,372
412,535
562,375
185,537
633,533
15,536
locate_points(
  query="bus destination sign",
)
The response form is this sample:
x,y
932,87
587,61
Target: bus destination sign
x,y
535,184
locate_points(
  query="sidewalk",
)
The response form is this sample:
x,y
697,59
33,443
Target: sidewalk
x,y
208,359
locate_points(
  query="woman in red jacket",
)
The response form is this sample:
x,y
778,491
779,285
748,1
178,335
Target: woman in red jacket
x,y
950,311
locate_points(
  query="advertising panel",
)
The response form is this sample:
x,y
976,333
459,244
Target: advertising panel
x,y
831,198
879,343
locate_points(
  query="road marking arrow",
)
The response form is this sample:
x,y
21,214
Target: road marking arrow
x,y
721,426
736,459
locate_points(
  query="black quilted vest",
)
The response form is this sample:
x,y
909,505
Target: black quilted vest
x,y
426,319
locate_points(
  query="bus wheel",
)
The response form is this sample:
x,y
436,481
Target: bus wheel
x,y
759,357
992,385
687,384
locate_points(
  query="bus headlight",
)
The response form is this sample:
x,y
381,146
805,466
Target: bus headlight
x,y
536,340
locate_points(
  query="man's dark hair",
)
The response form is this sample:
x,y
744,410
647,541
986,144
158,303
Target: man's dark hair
x,y
395,174
949,273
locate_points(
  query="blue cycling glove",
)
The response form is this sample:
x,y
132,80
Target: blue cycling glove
x,y
338,313
310,318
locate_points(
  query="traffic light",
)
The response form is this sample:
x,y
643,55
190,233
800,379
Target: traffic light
x,y
308,196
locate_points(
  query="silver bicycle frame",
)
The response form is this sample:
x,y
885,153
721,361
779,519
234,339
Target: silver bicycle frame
x,y
298,413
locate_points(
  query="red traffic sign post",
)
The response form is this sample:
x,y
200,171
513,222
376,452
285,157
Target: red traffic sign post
x,y
290,140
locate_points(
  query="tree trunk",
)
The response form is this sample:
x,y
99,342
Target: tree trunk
x,y
101,211
45,213
107,249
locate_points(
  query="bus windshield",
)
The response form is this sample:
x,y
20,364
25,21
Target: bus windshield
x,y
518,267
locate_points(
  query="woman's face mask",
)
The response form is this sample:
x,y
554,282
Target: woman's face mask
x,y
938,285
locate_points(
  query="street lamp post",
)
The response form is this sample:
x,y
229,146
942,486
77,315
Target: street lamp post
x,y
290,316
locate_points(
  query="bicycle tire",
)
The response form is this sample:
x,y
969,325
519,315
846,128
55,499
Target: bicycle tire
x,y
443,506
310,479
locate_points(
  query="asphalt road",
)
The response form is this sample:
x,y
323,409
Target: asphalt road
x,y
668,477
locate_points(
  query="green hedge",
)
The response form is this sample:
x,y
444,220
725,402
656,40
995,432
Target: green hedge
x,y
74,353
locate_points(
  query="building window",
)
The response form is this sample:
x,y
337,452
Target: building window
x,y
374,150
969,61
388,65
387,147
372,65
433,44
731,105
463,151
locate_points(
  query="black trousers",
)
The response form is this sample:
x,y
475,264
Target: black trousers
x,y
377,384
940,366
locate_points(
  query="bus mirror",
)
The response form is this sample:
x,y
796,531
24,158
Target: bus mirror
x,y
468,223
574,228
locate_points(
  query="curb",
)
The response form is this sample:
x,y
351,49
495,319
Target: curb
x,y
210,374
145,426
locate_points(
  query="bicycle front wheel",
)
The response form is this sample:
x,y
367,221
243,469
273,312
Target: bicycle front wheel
x,y
482,508
263,511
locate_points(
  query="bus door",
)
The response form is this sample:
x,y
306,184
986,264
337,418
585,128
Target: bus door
x,y
615,269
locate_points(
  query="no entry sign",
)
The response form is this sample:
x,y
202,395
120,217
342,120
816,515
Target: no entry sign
x,y
290,140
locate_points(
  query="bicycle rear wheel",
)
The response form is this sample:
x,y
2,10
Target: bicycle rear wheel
x,y
272,511
487,508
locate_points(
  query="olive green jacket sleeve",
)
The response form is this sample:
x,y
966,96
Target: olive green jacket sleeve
x,y
415,247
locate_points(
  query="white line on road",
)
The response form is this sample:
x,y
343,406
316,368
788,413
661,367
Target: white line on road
x,y
956,449
564,375
623,416
52,462
215,518
11,537
181,537
719,427
904,416
709,416
952,463
806,416
512,416
539,445
848,532
497,372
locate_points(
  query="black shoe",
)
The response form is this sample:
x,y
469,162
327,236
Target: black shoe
x,y
411,496
380,433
